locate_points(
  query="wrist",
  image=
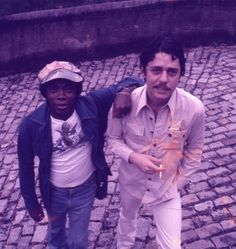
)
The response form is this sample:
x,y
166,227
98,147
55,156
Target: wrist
x,y
132,157
125,91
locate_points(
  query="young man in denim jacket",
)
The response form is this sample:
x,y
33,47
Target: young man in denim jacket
x,y
66,134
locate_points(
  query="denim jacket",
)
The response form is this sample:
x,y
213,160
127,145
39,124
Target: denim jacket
x,y
35,140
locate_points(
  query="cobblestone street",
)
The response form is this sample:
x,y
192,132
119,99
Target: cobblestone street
x,y
209,200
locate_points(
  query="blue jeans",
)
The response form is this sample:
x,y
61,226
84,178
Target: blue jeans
x,y
76,204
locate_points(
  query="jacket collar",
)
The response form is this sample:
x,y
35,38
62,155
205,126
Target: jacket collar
x,y
85,109
40,115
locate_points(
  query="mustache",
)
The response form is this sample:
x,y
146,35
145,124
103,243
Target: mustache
x,y
162,86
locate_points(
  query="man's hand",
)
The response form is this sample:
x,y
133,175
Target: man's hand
x,y
148,164
122,103
36,214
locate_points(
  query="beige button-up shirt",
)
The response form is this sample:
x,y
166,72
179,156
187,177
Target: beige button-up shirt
x,y
175,136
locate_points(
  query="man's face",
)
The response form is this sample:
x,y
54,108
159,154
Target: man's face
x,y
61,95
162,77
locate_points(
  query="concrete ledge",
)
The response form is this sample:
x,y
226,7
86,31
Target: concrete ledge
x,y
107,29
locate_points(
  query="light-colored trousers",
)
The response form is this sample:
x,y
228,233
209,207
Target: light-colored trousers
x,y
167,217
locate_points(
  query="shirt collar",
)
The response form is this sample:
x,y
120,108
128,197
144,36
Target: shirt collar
x,y
143,101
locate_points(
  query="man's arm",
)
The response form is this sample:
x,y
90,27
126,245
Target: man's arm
x,y
26,173
104,97
122,103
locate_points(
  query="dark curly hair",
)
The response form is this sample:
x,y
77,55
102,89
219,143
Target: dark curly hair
x,y
167,44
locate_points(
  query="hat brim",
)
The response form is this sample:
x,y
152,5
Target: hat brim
x,y
63,74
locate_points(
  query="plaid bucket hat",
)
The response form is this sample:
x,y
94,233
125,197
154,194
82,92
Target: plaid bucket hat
x,y
59,70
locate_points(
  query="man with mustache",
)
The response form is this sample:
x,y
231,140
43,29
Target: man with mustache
x,y
160,145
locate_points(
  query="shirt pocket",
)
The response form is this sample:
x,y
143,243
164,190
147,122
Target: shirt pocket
x,y
135,134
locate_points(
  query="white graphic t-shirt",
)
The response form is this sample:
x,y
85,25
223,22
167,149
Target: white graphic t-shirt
x,y
71,157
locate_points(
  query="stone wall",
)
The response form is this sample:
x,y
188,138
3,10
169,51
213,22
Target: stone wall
x,y
102,30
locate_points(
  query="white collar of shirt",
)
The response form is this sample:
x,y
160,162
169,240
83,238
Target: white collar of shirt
x,y
143,101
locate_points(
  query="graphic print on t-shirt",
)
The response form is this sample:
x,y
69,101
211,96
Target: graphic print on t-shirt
x,y
69,137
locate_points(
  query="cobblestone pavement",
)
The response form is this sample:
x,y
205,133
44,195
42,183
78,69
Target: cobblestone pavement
x,y
209,201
